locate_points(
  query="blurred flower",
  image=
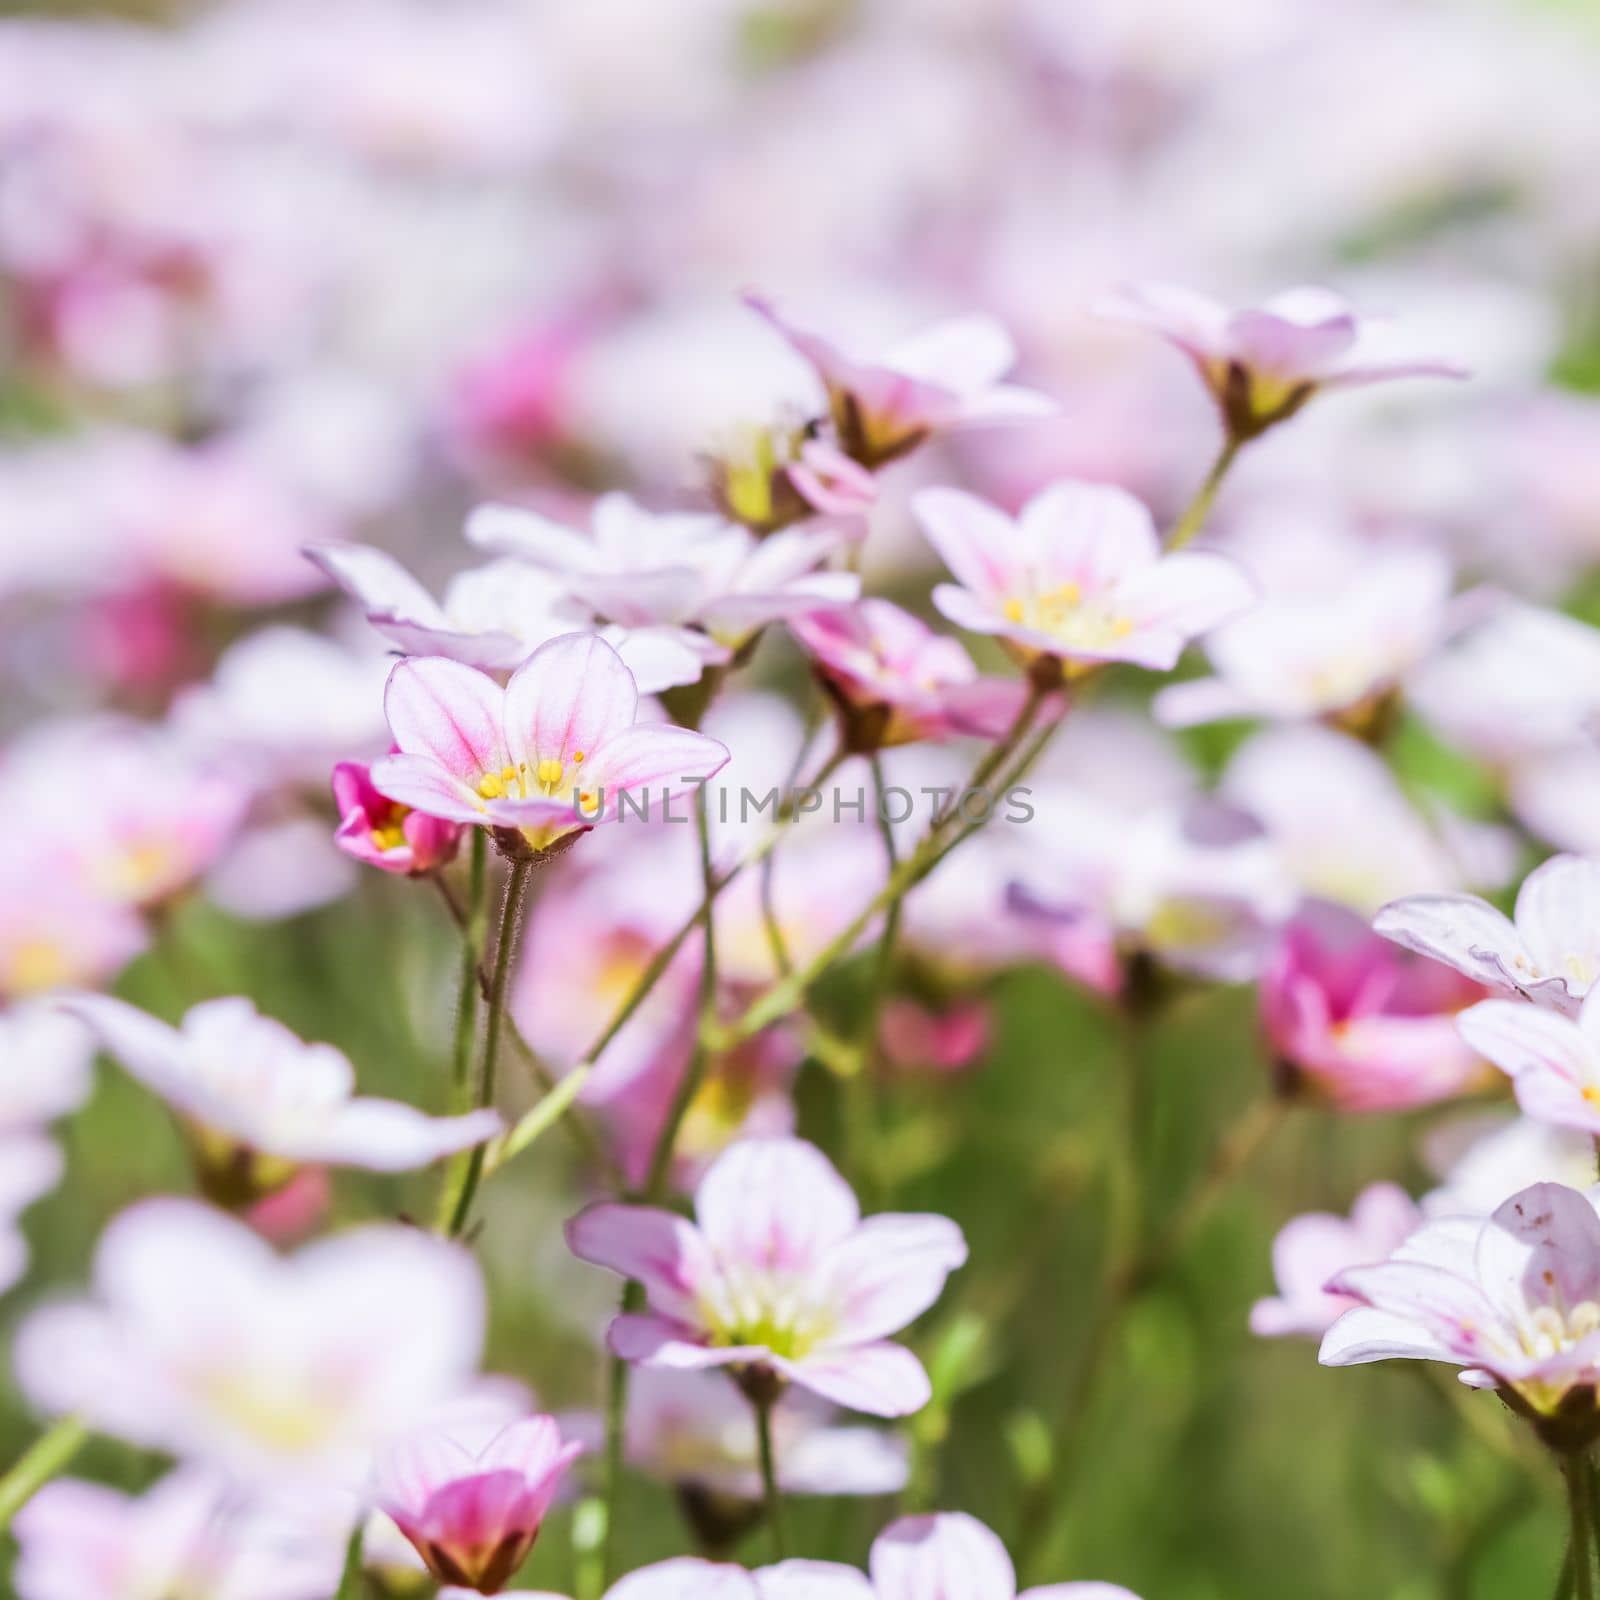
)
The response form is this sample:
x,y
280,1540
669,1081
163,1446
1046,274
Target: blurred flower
x,y
189,1534
948,376
473,1516
493,617
202,1342
47,1059
1361,1024
1333,653
1515,1300
53,932
920,1038
1078,578
1264,363
30,1167
1550,954
545,758
895,680
385,834
1483,1156
711,583
779,1279
696,1431
257,1103
1312,1249
1552,1060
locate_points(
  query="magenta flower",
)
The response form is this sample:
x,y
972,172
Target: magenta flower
x,y
257,1103
385,834
896,681
1262,364
1361,1024
1312,1249
1553,1061
543,759
1550,954
948,376
474,1516
778,1278
1514,1300
1077,579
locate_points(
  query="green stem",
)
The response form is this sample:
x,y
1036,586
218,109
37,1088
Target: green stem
x,y
789,992
350,1578
47,1457
660,1170
617,1373
1581,1550
472,931
1195,513
510,908
773,1496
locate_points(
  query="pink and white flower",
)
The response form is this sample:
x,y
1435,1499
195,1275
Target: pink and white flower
x,y
896,681
545,758
1513,1300
711,585
1553,1060
473,1516
1361,1024
201,1341
1077,579
257,1103
778,1278
1312,1249
1549,953
1483,1156
492,617
53,931
1263,363
946,377
385,834
189,1534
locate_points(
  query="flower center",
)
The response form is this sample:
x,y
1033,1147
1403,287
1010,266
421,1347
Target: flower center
x,y
1547,1330
759,1307
1063,613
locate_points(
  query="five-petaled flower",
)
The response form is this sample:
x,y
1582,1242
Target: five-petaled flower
x,y
948,376
1514,1300
257,1103
1076,580
1264,362
541,760
778,1278
1550,954
473,1516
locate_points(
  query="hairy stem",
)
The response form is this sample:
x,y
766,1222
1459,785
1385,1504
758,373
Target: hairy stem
x,y
772,1495
1199,509
47,1457
1580,1551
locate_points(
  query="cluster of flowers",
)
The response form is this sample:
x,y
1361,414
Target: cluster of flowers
x,y
318,1389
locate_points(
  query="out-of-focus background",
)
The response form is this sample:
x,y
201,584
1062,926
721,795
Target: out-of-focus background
x,y
277,271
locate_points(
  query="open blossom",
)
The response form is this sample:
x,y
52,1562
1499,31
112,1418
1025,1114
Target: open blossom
x,y
473,1516
1361,1024
385,834
492,617
778,1278
546,757
201,1341
1483,1156
1263,363
1553,1061
257,1102
1333,653
895,680
948,376
188,1535
53,931
1313,1248
711,584
1549,953
1078,578
1513,1300
946,1556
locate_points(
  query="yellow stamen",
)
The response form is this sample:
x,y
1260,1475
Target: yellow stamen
x,y
491,786
550,773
